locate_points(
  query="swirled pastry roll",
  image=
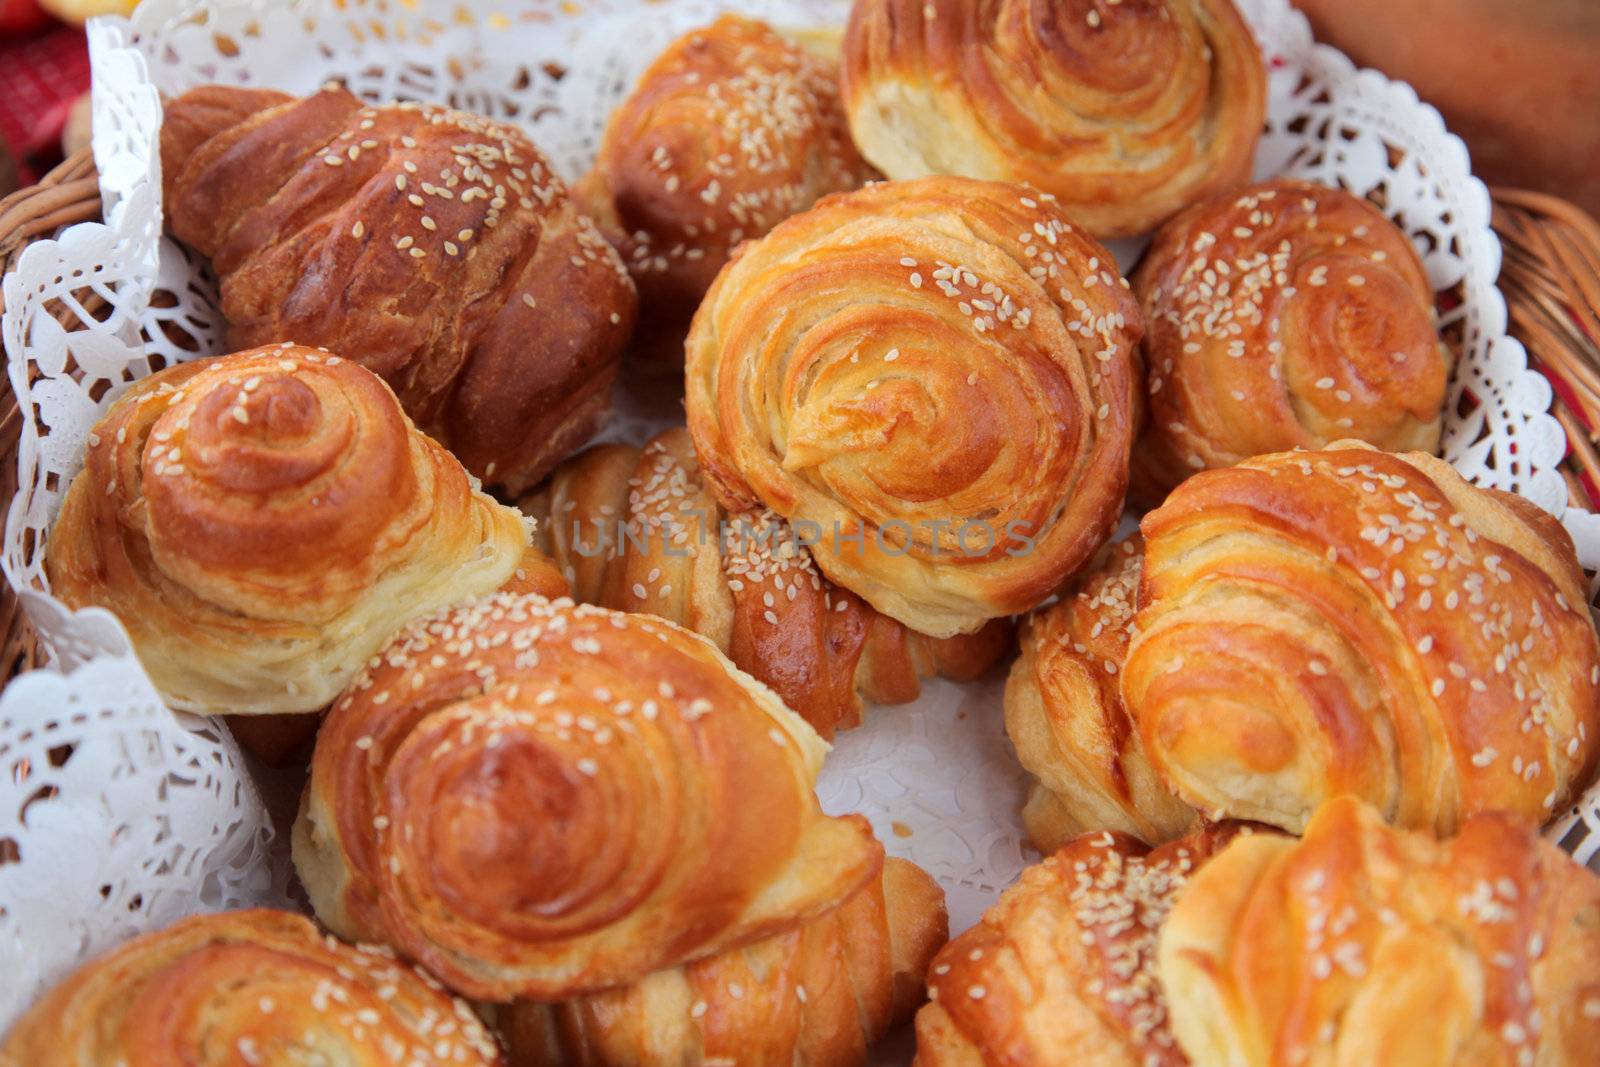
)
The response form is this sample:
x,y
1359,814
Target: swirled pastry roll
x,y
1126,111
937,378
820,994
1350,621
1061,972
536,799
261,523
734,128
246,988
1287,315
1363,944
638,531
1065,716
435,247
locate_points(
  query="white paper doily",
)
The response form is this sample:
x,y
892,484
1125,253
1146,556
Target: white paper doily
x,y
116,817
937,778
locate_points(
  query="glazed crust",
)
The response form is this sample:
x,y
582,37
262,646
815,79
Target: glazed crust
x,y
1126,112
434,247
247,987
1066,718
734,128
637,530
1061,972
261,523
1350,621
539,799
1285,315
1366,944
938,377
822,993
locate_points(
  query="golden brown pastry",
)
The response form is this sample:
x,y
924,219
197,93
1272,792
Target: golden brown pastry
x,y
638,531
538,799
1127,110
734,128
936,378
817,995
247,988
261,523
1285,315
538,574
434,247
1350,621
1061,972
276,739
1065,716
1363,944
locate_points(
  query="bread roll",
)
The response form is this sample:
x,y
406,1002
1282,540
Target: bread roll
x,y
936,378
1348,621
537,799
1061,972
247,988
1365,944
434,247
1285,315
262,523
1127,112
732,129
822,993
638,531
1065,715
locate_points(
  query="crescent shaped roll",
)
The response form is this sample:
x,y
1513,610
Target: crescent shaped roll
x,y
820,994
1065,715
1285,315
1127,111
638,531
937,377
1364,944
261,523
735,127
1349,621
437,248
1061,972
247,987
537,799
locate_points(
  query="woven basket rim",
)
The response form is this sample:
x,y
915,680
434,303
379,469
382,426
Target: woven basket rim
x,y
68,194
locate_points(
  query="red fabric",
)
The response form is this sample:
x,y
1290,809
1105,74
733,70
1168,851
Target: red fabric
x,y
40,76
21,16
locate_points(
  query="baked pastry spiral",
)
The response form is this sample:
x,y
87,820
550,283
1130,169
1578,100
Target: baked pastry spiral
x,y
1286,315
1065,716
1362,944
247,987
638,531
1350,621
935,378
536,799
819,994
1127,111
1061,972
734,128
434,247
261,523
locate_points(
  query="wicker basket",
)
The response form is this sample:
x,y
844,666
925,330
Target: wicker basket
x,y
1550,277
68,194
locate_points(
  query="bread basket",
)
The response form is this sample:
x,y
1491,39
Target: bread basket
x,y
1335,125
